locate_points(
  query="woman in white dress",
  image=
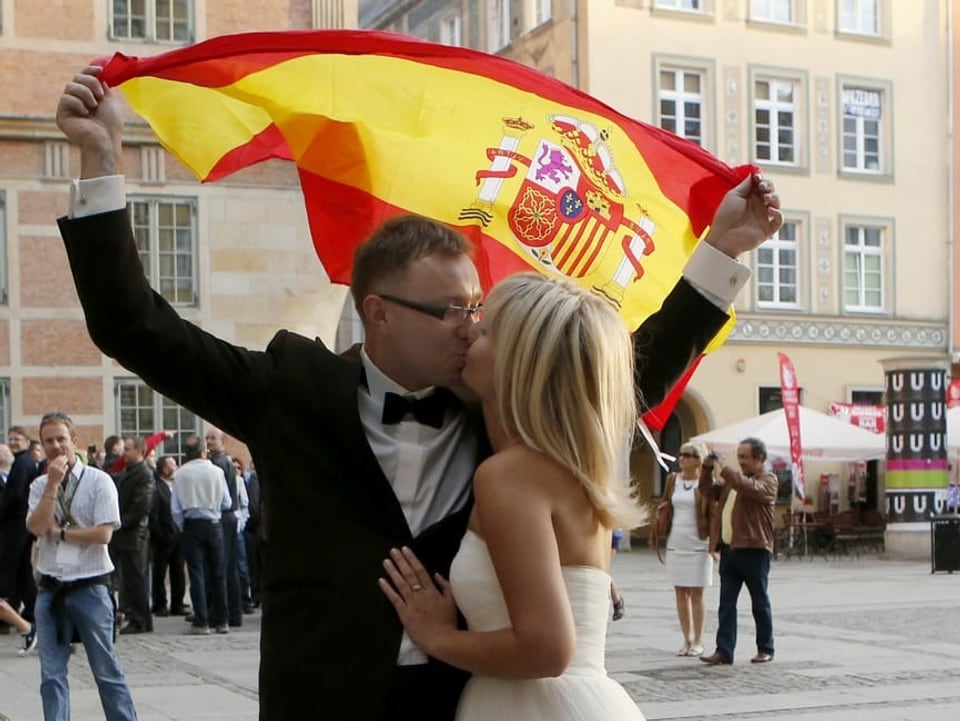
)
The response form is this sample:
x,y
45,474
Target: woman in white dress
x,y
549,364
689,564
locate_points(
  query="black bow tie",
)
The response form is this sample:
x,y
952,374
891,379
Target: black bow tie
x,y
428,410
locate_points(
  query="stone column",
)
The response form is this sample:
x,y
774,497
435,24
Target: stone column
x,y
916,464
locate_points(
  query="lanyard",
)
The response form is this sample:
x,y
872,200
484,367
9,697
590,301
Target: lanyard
x,y
67,503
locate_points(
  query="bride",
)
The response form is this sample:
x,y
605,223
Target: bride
x,y
552,365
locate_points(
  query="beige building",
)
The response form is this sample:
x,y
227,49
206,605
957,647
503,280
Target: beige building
x,y
844,103
235,257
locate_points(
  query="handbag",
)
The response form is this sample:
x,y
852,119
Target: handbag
x,y
663,521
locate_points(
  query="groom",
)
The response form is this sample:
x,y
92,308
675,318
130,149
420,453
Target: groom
x,y
392,460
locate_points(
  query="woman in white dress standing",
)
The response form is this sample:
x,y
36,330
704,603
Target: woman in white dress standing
x,y
689,563
549,364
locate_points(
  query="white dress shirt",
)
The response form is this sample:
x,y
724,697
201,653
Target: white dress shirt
x,y
92,498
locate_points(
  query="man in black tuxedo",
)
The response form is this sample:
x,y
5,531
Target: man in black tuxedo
x,y
383,471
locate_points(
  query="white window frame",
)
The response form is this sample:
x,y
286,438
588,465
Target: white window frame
x,y
865,109
775,246
775,12
853,17
544,11
683,6
451,30
797,107
135,420
864,256
681,69
499,25
149,234
151,23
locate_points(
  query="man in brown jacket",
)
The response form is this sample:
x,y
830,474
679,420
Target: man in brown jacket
x,y
742,532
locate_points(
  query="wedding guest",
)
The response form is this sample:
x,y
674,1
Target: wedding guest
x,y
689,563
742,531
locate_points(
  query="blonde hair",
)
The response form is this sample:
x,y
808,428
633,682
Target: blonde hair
x,y
563,373
697,447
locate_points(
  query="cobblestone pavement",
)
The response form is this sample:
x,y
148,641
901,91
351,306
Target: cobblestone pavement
x,y
857,640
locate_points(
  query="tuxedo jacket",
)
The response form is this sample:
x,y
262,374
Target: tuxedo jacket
x,y
329,637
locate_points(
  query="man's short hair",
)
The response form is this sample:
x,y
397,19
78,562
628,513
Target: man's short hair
x,y
54,417
138,443
758,449
109,442
193,447
393,246
19,430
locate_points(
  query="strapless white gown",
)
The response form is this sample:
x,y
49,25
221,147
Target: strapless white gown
x,y
583,692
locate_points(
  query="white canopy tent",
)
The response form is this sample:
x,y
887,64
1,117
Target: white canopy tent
x,y
953,430
822,437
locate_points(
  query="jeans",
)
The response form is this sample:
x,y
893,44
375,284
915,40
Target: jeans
x,y
89,610
749,566
203,551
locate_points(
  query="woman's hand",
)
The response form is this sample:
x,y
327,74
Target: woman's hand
x,y
425,606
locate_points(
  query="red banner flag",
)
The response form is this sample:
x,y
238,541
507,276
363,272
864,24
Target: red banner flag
x,y
867,416
536,173
790,393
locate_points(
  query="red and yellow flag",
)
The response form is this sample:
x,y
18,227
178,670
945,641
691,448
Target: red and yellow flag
x,y
538,174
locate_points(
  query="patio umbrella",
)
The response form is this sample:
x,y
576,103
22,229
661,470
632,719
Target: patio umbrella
x,y
823,437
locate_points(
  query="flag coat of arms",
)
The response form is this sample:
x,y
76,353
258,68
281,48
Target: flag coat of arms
x,y
537,174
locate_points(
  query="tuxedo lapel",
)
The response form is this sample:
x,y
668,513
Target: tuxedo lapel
x,y
371,489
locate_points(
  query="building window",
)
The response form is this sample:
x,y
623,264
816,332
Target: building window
x,y
4,291
864,116
863,267
4,407
544,11
783,12
770,398
141,411
164,21
860,17
681,96
499,24
778,269
451,30
688,5
776,118
165,230
350,327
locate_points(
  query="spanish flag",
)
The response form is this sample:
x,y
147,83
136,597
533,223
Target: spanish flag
x,y
538,174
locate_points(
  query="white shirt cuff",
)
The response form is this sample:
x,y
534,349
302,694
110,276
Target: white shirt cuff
x,y
96,195
716,275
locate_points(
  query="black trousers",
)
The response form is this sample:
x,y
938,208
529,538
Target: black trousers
x,y
232,569
168,557
203,550
427,692
132,570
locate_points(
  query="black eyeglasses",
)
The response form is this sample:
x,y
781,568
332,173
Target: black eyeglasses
x,y
688,454
454,314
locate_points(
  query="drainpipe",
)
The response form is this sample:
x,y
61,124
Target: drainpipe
x,y
575,43
951,250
